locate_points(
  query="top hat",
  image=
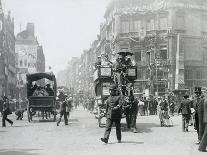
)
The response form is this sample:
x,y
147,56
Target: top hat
x,y
197,90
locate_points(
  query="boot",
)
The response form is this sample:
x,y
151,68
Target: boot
x,y
104,140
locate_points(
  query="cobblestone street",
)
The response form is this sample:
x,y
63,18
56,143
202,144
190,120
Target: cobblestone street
x,y
82,136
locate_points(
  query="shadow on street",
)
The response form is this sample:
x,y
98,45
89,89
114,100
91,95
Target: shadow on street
x,y
146,127
18,151
141,127
128,142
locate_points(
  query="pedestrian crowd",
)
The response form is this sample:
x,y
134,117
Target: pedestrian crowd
x,y
194,110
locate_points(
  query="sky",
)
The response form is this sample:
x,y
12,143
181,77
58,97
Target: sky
x,y
63,27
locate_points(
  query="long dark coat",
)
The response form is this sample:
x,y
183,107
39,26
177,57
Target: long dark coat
x,y
205,112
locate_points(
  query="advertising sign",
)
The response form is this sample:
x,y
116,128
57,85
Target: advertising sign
x,y
105,71
106,87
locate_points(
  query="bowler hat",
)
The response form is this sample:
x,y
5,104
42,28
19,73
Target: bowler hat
x,y
197,90
112,87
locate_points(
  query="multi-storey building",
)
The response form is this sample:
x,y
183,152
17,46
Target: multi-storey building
x,y
29,56
7,55
167,37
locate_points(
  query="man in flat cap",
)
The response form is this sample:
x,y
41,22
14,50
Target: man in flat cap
x,y
113,114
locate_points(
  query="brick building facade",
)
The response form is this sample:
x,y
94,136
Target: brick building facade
x,y
167,37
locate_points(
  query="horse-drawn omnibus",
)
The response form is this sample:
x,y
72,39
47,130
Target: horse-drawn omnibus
x,y
121,74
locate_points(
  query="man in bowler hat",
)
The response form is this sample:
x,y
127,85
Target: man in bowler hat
x,y
113,114
185,110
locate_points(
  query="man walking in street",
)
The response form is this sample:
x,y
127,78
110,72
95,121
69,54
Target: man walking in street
x,y
185,110
6,112
196,105
63,106
20,113
145,106
133,112
203,142
113,114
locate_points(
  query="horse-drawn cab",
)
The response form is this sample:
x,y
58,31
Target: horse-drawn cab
x,y
41,97
121,73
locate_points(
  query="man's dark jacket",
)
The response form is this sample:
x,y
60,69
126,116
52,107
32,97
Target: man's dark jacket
x,y
111,103
185,107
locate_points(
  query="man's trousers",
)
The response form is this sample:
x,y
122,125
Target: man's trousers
x,y
203,143
109,123
65,118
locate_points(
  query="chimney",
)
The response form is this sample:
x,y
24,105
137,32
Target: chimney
x,y
30,29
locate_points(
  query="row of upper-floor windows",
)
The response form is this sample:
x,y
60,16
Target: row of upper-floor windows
x,y
161,54
137,25
195,74
162,23
25,63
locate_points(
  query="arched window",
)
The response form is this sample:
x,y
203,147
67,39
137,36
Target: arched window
x,y
20,63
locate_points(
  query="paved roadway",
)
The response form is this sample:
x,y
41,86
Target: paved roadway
x,y
82,137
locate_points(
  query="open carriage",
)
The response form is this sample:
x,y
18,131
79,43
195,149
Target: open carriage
x,y
40,98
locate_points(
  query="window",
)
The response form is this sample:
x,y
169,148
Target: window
x,y
25,63
163,52
180,23
199,74
205,55
150,25
20,63
138,56
148,58
139,73
163,23
137,25
124,26
204,24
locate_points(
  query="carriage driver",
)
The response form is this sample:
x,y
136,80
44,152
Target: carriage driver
x,y
113,114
